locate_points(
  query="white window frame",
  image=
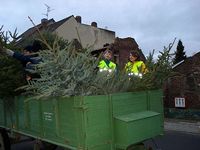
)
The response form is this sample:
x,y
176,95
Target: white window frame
x,y
180,102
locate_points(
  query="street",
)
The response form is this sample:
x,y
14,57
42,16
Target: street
x,y
172,140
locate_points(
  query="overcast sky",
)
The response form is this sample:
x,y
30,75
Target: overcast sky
x,y
152,23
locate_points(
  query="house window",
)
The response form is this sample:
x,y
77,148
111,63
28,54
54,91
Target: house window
x,y
180,102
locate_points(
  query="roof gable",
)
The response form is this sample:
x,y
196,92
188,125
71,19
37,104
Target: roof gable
x,y
57,24
188,64
32,30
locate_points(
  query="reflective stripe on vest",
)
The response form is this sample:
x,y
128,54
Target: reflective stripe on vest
x,y
103,65
136,67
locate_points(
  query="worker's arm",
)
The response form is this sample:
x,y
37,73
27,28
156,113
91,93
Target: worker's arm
x,y
144,68
16,55
6,51
101,64
21,57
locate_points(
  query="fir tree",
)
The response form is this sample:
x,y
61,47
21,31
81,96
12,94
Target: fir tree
x,y
11,71
160,69
66,71
179,54
71,72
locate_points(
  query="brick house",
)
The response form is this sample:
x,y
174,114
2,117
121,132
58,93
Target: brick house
x,y
185,83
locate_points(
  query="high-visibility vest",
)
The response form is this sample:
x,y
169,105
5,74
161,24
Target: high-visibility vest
x,y
103,66
136,67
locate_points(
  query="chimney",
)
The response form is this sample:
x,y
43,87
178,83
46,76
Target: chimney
x,y
44,22
94,24
78,19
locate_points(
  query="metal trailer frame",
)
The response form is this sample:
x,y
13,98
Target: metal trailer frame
x,y
102,122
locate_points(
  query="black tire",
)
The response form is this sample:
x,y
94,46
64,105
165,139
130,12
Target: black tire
x,y
48,146
4,140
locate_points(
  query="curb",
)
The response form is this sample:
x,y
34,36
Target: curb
x,y
182,126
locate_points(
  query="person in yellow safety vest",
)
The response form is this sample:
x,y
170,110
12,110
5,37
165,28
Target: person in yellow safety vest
x,y
106,64
135,67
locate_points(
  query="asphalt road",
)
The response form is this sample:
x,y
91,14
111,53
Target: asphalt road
x,y
172,140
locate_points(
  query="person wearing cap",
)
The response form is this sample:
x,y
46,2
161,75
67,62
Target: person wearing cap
x,y
135,66
28,58
106,65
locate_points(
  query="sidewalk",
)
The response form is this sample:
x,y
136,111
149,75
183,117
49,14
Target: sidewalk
x,y
182,125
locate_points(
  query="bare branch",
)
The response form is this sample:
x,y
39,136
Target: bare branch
x,y
13,35
42,37
172,44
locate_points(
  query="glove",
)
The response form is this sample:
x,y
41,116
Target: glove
x,y
9,52
6,51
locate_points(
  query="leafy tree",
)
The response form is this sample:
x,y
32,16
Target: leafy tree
x,y
179,54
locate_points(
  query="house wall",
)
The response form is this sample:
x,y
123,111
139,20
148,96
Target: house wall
x,y
94,37
186,83
89,35
122,47
68,30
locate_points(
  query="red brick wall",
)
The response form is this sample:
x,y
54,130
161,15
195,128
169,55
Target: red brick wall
x,y
122,47
185,84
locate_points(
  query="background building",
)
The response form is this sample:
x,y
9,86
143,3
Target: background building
x,y
72,28
182,90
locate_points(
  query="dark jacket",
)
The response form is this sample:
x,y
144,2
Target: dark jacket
x,y
28,62
26,58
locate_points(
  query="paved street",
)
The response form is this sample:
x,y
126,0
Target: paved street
x,y
173,140
179,135
182,125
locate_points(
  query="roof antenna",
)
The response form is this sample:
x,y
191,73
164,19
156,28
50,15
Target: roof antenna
x,y
47,11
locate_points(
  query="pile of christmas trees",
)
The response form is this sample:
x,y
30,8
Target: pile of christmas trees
x,y
11,71
68,71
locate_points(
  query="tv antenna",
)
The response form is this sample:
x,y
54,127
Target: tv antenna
x,y
48,10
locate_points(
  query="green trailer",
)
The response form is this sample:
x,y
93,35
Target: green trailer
x,y
104,122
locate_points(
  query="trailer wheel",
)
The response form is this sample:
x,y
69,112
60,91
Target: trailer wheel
x,y
136,147
4,140
46,145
